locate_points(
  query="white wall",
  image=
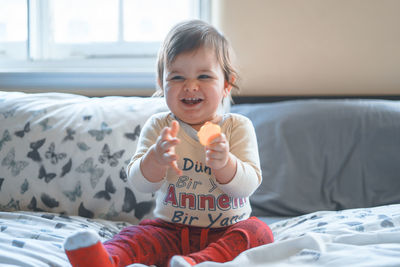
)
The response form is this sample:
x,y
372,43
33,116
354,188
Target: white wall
x,y
314,47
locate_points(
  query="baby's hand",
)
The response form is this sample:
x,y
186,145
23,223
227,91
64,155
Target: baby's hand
x,y
165,147
217,152
207,132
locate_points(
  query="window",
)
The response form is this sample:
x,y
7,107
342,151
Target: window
x,y
71,42
13,29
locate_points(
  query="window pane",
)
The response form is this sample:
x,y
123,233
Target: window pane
x,y
77,21
13,29
150,20
13,21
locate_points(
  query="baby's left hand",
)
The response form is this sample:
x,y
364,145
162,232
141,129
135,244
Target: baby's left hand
x,y
217,152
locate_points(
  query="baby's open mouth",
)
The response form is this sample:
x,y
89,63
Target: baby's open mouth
x,y
191,100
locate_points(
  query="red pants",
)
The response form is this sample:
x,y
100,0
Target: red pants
x,y
156,241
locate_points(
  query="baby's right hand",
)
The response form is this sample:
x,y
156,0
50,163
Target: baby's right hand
x,y
165,147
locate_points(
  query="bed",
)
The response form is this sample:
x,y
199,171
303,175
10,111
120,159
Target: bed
x,y
330,191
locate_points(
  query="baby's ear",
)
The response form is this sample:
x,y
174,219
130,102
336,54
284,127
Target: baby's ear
x,y
159,90
228,85
159,83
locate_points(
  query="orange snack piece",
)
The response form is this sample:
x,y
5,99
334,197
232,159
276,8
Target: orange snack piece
x,y
207,132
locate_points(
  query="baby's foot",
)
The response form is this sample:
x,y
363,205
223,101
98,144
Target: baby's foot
x,y
84,249
181,261
81,239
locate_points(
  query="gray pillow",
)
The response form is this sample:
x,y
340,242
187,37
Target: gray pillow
x,y
325,154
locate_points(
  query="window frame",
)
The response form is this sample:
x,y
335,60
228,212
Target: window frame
x,y
117,72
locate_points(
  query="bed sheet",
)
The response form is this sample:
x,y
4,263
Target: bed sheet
x,y
354,237
36,239
272,219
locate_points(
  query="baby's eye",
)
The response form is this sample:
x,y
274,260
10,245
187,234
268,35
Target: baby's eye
x,y
177,78
204,76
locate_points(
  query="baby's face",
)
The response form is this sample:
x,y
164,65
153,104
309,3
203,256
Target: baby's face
x,y
194,86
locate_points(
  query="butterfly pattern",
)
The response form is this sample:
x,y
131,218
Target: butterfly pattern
x,y
140,208
107,157
27,129
45,175
45,124
84,212
49,201
11,205
70,135
100,134
34,154
111,213
89,167
63,164
83,146
33,205
134,135
109,189
74,194
15,166
6,138
9,113
66,168
122,175
24,187
87,117
55,157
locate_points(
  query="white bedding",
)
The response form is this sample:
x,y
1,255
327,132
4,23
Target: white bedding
x,y
356,237
36,239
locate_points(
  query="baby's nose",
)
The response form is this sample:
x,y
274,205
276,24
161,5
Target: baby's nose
x,y
191,86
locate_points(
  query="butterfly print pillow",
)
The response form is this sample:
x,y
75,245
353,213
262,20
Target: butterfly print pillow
x,y
68,153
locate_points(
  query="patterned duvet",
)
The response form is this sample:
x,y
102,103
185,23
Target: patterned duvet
x,y
355,237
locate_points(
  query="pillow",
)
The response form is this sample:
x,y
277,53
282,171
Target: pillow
x,y
325,155
68,153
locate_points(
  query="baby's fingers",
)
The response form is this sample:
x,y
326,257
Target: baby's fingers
x,y
169,157
166,145
165,133
218,143
170,132
174,166
174,128
218,138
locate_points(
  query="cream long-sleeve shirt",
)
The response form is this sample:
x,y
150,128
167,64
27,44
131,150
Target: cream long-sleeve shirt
x,y
195,197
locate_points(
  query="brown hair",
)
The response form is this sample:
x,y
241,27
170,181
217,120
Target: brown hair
x,y
188,36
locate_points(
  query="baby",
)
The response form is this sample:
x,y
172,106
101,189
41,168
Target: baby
x,y
202,192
